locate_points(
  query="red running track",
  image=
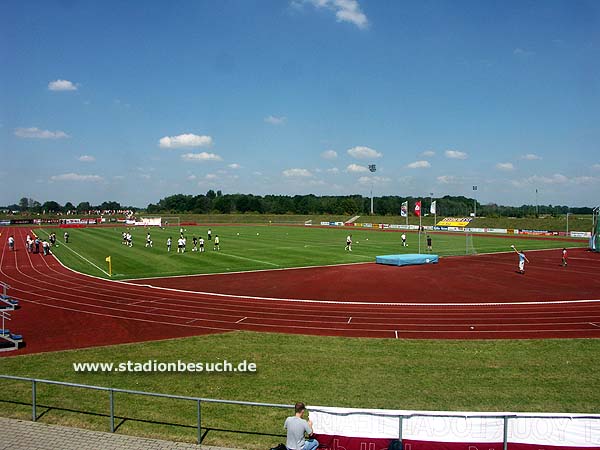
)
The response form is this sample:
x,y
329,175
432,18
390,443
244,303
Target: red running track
x,y
479,297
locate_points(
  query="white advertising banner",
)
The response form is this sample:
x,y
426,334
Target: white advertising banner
x,y
356,429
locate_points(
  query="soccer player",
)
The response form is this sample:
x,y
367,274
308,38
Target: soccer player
x,y
403,237
180,245
169,241
66,236
217,242
564,257
209,237
348,243
148,241
201,243
195,244
429,243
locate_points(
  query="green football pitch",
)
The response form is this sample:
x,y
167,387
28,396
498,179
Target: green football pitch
x,y
245,248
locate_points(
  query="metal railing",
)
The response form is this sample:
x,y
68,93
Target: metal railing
x,y
111,396
200,400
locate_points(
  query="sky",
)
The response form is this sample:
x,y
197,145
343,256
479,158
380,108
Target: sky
x,y
138,100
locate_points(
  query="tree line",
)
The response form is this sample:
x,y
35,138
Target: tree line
x,y
217,202
343,205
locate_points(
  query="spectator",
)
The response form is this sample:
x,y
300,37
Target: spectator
x,y
296,428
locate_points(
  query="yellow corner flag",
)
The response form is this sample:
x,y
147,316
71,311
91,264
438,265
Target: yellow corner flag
x,y
108,260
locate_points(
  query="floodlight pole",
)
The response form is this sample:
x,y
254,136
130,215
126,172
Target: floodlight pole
x,y
372,168
474,202
537,207
568,223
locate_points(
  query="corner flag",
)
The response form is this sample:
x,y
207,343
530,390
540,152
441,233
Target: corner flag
x,y
108,260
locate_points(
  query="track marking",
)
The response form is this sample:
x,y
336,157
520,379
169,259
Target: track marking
x,y
349,320
594,324
243,318
396,333
82,257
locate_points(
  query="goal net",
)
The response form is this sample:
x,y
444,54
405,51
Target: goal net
x,y
171,221
469,247
595,239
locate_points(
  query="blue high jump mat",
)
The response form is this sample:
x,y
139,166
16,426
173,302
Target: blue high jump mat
x,y
407,260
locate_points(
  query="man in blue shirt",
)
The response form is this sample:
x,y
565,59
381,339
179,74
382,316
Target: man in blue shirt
x,y
522,259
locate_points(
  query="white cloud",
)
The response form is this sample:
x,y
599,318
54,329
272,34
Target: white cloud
x,y
521,52
556,179
345,11
428,153
361,152
303,173
86,158
211,177
185,140
234,166
596,167
76,177
505,166
191,177
333,170
366,181
36,133
448,179
203,156
455,154
274,120
419,165
329,154
585,180
355,168
62,85
531,157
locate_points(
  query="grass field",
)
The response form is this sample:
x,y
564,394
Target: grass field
x,y
255,247
520,376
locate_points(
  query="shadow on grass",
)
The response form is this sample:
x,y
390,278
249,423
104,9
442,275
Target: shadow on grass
x,y
122,420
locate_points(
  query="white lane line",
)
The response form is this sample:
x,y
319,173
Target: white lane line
x,y
242,319
594,324
349,320
396,332
82,257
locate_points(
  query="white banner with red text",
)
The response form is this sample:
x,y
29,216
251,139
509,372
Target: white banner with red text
x,y
373,429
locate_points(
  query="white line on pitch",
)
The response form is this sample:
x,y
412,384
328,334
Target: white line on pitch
x,y
248,259
85,259
242,319
349,319
594,324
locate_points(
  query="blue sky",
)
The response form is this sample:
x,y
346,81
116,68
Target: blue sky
x,y
133,101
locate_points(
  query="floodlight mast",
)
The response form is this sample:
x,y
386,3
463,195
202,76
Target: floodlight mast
x,y
372,168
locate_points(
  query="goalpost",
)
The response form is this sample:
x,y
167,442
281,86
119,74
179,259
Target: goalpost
x,y
595,239
171,221
166,221
469,247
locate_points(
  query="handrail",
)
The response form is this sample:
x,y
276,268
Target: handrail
x,y
503,416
